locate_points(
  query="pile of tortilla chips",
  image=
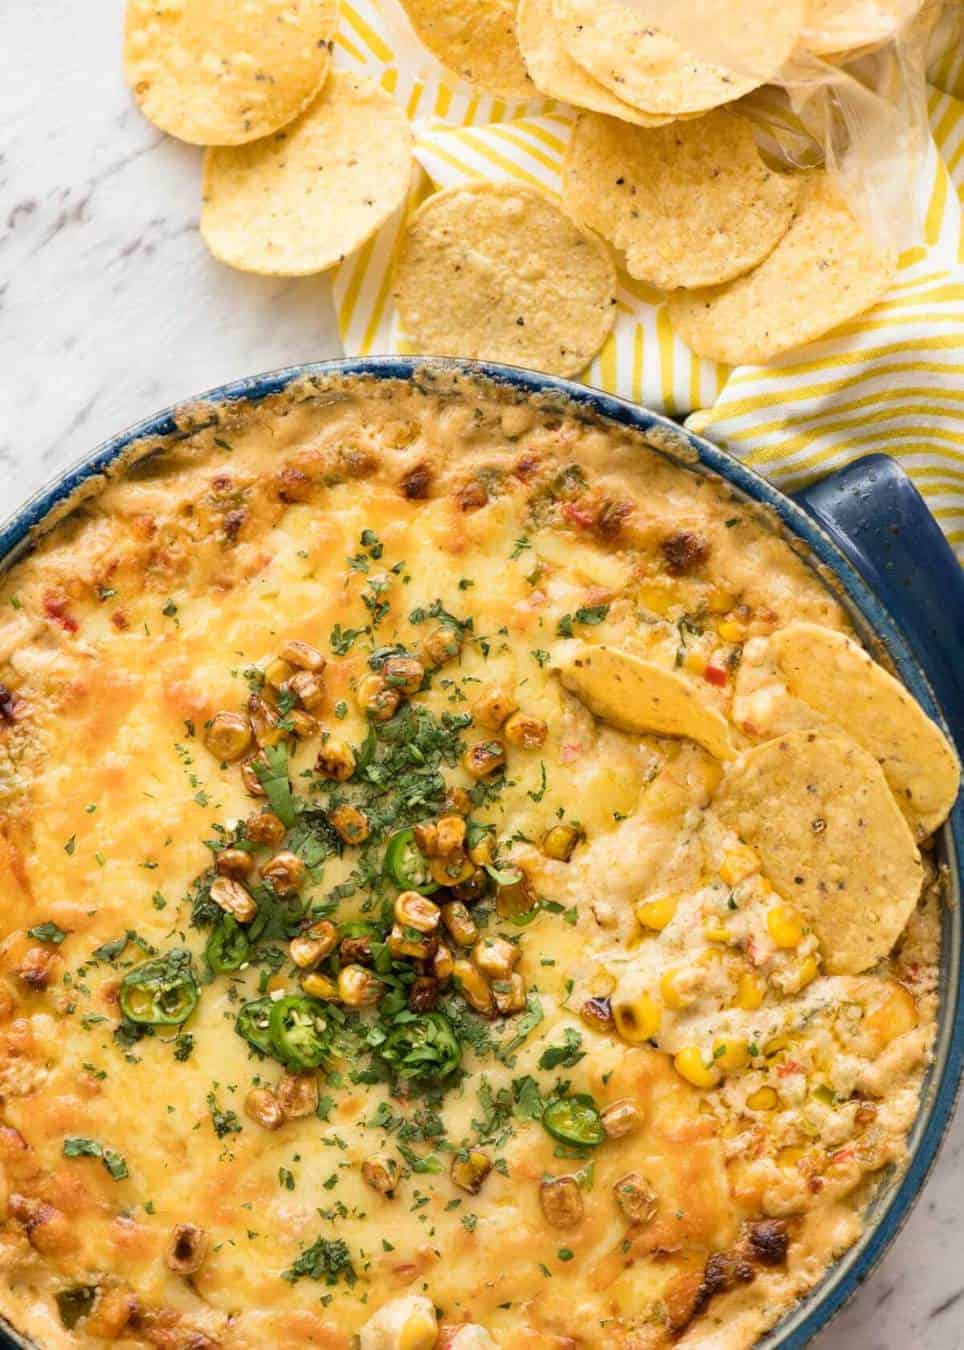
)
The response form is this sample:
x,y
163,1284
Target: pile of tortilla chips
x,y
663,173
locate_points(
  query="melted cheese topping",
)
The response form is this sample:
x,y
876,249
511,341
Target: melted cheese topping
x,y
133,622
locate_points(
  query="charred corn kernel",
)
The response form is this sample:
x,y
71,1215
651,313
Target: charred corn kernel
x,y
561,1200
358,987
731,630
381,1172
441,644
807,972
410,942
774,1045
308,688
375,698
483,758
560,842
495,957
637,1016
232,897
720,601
457,801
785,926
482,850
492,707
896,1015
249,775
673,989
413,910
636,1198
262,1106
228,735
622,1118
453,870
528,733
459,923
319,986
657,913
311,947
690,1064
443,963
277,671
791,1156
738,863
298,1094
285,871
474,987
264,722
302,655
749,992
302,724
469,1169
510,994
763,1099
714,931
264,827
336,759
234,862
426,838
655,599
187,1247
350,823
403,673
450,834
731,1053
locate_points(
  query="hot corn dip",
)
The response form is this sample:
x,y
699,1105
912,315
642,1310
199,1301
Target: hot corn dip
x,y
360,986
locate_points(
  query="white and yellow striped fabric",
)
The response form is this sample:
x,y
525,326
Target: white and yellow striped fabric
x,y
891,380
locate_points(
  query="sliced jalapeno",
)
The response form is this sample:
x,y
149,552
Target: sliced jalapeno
x,y
254,1024
407,865
300,1032
160,992
574,1120
228,946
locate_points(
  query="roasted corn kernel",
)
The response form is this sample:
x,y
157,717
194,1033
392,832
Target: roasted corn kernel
x,y
453,870
403,673
249,776
527,733
560,842
308,688
277,671
441,644
300,654
297,1095
264,828
234,862
336,759
381,1172
509,995
483,758
262,1106
459,923
621,1118
637,1016
561,1201
264,722
186,1249
376,699
482,849
310,948
469,1169
358,987
413,910
423,993
690,1064
426,838
285,871
409,942
228,735
302,724
350,823
474,987
492,707
636,1198
495,957
449,835
443,963
232,897
319,986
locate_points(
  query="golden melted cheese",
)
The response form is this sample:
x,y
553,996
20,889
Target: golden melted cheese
x,y
133,622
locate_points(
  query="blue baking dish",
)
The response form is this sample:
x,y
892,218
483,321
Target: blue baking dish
x,y
868,528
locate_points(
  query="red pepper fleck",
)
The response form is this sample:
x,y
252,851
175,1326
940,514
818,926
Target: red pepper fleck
x,y
55,607
715,675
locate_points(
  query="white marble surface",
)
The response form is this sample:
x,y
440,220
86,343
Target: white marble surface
x,y
111,308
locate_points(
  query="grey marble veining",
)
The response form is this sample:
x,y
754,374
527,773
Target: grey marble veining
x,y
111,308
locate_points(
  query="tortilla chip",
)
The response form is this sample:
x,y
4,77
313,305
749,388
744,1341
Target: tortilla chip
x,y
690,204
499,271
826,269
642,698
651,70
556,74
831,839
835,26
215,72
476,40
300,200
837,678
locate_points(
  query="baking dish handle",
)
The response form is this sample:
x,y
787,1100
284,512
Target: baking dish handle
x,y
878,519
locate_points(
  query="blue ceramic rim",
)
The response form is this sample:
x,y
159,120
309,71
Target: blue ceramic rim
x,y
887,1214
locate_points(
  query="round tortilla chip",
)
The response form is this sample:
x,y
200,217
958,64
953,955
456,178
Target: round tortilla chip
x,y
556,74
216,72
826,269
476,40
642,698
646,67
835,26
842,682
831,839
300,200
691,204
499,271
